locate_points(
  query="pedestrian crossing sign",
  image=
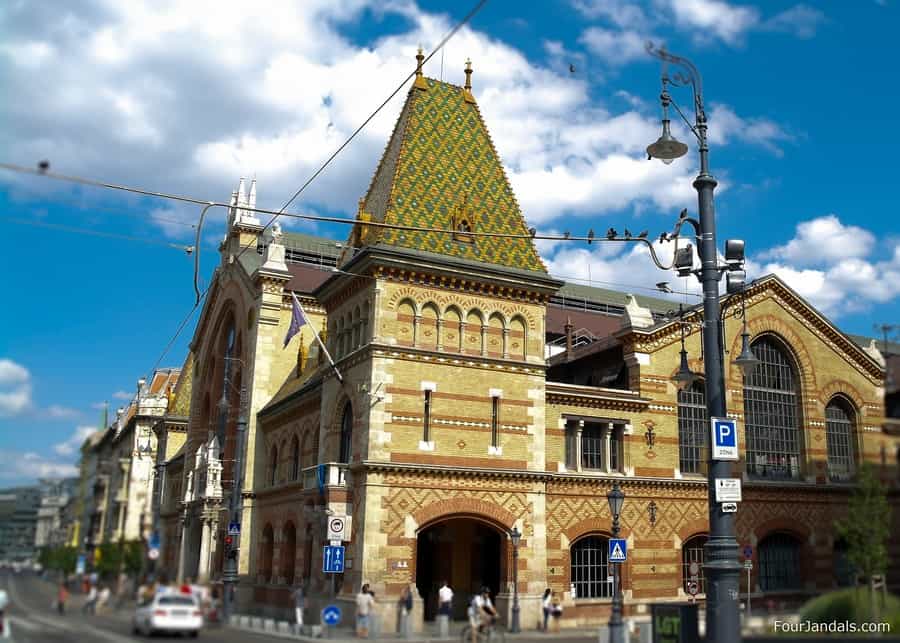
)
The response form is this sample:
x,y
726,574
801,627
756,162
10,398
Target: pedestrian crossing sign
x,y
618,550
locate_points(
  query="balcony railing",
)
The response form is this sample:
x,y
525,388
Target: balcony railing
x,y
330,474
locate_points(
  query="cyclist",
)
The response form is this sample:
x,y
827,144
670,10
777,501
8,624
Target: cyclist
x,y
481,613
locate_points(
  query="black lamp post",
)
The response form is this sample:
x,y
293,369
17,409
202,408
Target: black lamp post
x,y
616,498
720,560
235,499
515,536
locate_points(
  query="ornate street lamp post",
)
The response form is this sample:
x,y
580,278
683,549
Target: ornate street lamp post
x,y
720,560
235,500
616,498
515,536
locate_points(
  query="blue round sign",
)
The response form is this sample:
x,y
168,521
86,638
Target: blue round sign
x,y
331,615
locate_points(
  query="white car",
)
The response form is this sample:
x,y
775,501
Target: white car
x,y
168,613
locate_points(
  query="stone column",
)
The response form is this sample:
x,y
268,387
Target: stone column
x,y
484,346
203,566
440,334
182,551
578,432
417,324
505,343
607,434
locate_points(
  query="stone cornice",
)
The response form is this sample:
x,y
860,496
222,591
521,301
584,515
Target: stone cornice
x,y
595,397
376,466
453,359
450,273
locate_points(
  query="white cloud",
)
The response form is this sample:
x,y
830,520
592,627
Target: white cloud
x,y
29,466
823,240
725,125
122,395
622,13
15,388
74,442
800,20
725,21
615,47
59,412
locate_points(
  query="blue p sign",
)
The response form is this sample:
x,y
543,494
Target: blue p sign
x,y
724,439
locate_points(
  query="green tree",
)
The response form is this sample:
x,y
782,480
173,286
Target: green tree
x,y
867,527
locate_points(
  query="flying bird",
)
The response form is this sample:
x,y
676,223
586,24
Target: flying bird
x,y
571,68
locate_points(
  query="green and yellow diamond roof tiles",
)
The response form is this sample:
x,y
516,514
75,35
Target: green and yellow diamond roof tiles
x,y
440,163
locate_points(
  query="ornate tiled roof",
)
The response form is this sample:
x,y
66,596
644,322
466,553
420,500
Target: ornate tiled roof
x,y
180,399
440,170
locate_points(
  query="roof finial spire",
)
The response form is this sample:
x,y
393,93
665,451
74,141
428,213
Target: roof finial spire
x,y
420,79
468,88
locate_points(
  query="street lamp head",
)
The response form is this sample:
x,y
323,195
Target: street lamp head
x,y
667,148
746,361
616,498
515,536
223,403
685,377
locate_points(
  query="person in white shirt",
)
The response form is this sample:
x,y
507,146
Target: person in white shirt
x,y
364,603
299,597
445,599
547,605
481,612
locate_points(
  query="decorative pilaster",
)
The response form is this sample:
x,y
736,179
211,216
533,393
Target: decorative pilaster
x,y
578,432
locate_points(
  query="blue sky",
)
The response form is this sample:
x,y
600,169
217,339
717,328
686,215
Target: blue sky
x,y
188,97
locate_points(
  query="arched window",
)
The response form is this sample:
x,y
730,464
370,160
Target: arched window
x,y
843,569
273,466
692,559
590,568
295,458
772,411
839,422
288,553
346,434
693,428
779,562
268,548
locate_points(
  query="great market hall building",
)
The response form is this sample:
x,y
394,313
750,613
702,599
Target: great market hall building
x,y
478,393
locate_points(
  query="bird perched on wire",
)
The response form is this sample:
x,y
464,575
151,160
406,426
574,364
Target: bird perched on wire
x,y
43,166
590,236
532,231
643,234
611,233
627,233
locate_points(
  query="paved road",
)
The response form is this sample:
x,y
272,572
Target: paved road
x,y
33,620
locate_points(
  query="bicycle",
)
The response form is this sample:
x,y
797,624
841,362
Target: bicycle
x,y
491,633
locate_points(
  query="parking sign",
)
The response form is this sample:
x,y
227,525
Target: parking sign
x,y
724,439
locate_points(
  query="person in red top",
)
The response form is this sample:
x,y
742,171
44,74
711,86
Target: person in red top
x,y
185,586
61,597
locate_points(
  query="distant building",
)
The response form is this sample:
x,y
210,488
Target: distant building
x,y
18,522
51,530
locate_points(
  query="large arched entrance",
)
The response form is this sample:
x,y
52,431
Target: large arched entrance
x,y
467,553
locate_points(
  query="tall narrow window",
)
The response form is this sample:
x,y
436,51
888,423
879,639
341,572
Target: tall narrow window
x,y
571,447
838,432
295,458
592,446
772,413
693,427
615,443
495,421
426,432
273,466
346,434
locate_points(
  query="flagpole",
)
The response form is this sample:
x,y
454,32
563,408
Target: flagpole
x,y
318,339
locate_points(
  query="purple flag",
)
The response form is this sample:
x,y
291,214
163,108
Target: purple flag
x,y
298,319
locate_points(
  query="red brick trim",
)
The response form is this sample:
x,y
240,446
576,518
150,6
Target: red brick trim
x,y
487,512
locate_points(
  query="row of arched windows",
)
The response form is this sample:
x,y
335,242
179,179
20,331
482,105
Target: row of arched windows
x,y
287,463
452,330
284,569
772,421
350,331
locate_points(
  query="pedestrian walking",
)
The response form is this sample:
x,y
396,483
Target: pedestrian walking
x,y
90,605
62,595
405,605
299,596
547,606
445,608
364,603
